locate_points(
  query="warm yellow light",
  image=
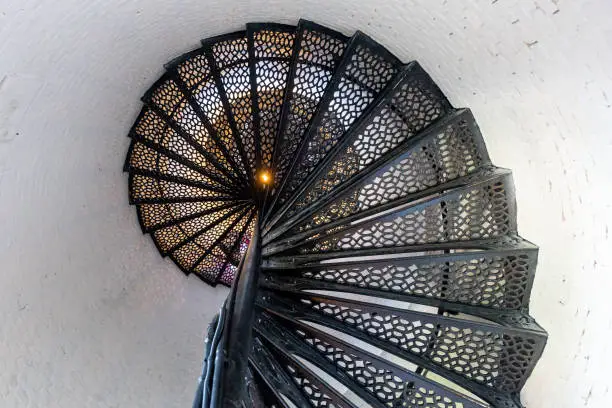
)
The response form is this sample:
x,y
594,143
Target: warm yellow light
x,y
265,177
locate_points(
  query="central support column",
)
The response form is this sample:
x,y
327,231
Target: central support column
x,y
241,306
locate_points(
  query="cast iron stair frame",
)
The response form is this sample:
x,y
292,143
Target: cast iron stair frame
x,y
383,209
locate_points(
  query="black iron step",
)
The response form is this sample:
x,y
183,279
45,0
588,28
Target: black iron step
x,y
316,53
270,57
158,216
214,261
211,113
145,189
275,376
146,160
152,131
498,278
199,75
229,270
476,354
210,261
229,60
378,381
199,230
365,70
431,161
316,390
168,100
483,209
410,104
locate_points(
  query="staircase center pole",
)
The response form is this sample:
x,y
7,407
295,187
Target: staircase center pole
x,y
242,305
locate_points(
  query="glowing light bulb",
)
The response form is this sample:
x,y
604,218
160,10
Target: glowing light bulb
x,y
265,177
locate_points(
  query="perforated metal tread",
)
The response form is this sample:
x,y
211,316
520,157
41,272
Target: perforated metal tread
x,y
392,272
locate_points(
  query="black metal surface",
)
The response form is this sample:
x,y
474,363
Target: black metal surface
x,y
498,355
179,151
365,70
205,382
229,57
409,104
376,380
429,162
370,243
158,216
316,54
167,100
196,74
230,159
313,388
145,189
258,393
496,278
211,261
202,231
480,210
277,379
227,273
240,321
270,56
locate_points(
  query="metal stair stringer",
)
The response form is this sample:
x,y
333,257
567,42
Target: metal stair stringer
x,y
370,244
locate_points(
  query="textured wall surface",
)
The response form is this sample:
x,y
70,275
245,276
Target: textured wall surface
x,y
90,315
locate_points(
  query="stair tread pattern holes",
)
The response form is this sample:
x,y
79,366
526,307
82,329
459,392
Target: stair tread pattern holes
x,y
318,55
232,58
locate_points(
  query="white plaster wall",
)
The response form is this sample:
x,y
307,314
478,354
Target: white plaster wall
x,y
90,315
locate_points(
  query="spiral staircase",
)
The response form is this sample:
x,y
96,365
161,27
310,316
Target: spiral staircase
x,y
370,244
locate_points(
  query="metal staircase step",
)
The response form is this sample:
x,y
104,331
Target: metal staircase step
x,y
483,209
148,161
229,58
153,131
168,100
157,216
270,57
480,356
365,70
499,277
439,158
215,261
202,231
275,376
146,189
377,380
316,53
315,389
195,73
408,105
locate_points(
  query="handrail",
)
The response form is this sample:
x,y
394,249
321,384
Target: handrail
x,y
228,342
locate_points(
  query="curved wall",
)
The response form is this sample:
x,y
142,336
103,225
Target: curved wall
x,y
90,315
